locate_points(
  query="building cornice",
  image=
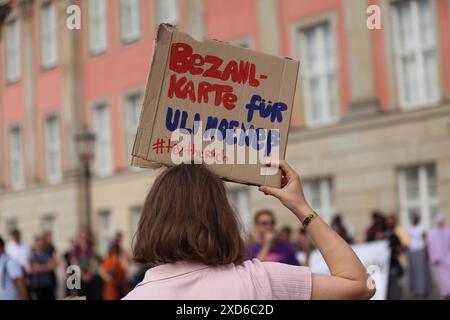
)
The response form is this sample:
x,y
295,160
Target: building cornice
x,y
37,189
385,119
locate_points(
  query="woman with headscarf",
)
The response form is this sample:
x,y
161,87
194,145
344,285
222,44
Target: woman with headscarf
x,y
419,269
439,252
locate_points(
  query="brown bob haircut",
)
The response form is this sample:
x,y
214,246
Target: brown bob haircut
x,y
187,217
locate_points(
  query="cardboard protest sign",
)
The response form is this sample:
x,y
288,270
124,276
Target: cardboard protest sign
x,y
212,102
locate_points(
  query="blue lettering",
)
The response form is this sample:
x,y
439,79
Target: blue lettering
x,y
172,124
272,110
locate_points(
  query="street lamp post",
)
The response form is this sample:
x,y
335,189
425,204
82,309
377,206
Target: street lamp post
x,y
86,149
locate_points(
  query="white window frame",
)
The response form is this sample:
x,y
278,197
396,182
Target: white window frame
x,y
418,53
13,52
104,164
134,33
98,26
49,51
300,38
326,195
17,179
52,150
424,200
130,116
168,11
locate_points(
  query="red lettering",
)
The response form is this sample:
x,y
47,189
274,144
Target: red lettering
x,y
204,88
231,70
179,57
197,62
229,101
220,90
213,71
183,60
185,89
253,81
181,88
175,86
244,71
189,91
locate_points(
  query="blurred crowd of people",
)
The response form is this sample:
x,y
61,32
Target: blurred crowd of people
x,y
28,272
413,252
31,272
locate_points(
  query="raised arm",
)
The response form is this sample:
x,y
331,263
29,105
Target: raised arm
x,y
349,279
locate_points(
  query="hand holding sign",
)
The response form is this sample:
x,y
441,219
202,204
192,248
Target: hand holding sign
x,y
291,194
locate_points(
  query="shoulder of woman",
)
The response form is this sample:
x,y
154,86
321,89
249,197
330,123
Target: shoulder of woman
x,y
273,268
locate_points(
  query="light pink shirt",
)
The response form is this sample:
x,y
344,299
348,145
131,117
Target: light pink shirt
x,y
250,281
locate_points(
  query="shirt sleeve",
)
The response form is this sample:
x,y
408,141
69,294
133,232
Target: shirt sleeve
x,y
14,270
289,282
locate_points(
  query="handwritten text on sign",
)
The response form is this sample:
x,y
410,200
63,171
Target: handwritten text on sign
x,y
184,62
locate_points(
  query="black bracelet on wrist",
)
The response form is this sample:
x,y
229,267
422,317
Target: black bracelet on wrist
x,y
312,215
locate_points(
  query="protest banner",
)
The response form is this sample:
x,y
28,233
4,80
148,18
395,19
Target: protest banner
x,y
212,102
375,256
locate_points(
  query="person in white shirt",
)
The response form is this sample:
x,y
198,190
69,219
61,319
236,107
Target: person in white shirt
x,y
420,284
19,251
12,282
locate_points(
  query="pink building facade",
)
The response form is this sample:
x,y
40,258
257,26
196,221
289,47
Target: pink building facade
x,y
366,133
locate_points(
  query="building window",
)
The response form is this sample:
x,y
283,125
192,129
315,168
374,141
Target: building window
x,y
133,106
48,35
135,217
13,56
318,53
416,52
52,149
105,231
418,193
16,158
320,195
97,26
168,11
130,20
240,199
103,146
48,225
